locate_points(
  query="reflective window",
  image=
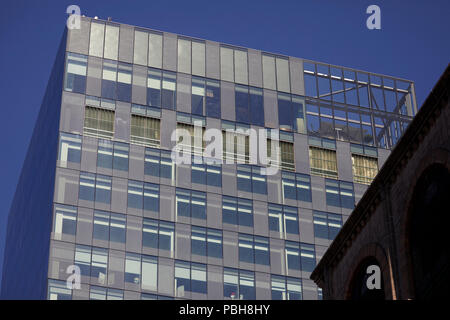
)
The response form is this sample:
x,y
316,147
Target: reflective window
x,y
326,225
214,245
99,265
145,131
133,268
109,227
198,241
168,90
238,284
69,148
246,248
256,106
286,288
95,187
364,168
308,257
189,277
158,163
323,162
57,290
191,203
99,122
76,70
292,255
262,255
154,88
65,220
237,211
339,194
242,104
83,259
109,78
198,96
112,155
124,71
213,98
149,273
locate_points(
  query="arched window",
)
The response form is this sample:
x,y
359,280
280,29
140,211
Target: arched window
x,y
359,287
428,233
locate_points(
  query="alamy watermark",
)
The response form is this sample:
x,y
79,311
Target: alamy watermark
x,y
374,280
74,19
374,20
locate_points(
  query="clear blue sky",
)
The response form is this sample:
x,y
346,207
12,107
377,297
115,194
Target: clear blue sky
x,y
413,44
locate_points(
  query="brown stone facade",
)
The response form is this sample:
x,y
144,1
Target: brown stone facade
x,y
380,225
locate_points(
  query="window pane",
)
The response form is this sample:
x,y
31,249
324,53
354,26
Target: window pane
x,y
198,95
275,218
198,205
149,273
256,106
133,268
69,148
230,283
246,253
288,183
308,257
168,90
151,197
213,98
229,210
101,225
166,232
105,154
262,251
121,151
152,162
183,199
214,243
135,194
292,255
182,278
198,241
87,186
304,187
246,285
65,220
117,228
245,212
285,117
198,278
99,264
242,104
76,70
150,233
154,88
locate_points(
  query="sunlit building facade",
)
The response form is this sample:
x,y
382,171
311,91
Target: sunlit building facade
x,y
99,189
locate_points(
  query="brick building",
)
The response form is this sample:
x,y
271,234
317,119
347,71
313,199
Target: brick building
x,y
400,222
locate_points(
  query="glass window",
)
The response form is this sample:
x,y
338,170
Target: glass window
x,y
213,98
145,131
65,220
231,283
150,233
262,255
109,78
347,195
323,162
149,273
198,241
182,278
288,183
97,293
308,257
244,180
120,158
57,290
168,90
291,220
245,212
292,255
114,294
167,167
152,162
151,197
198,174
198,96
278,288
133,268
294,289
285,116
364,168
303,187
259,180
332,193
83,259
275,217
246,248
229,210
247,285
214,175
334,225
69,148
154,88
198,278
298,105
76,70
198,201
117,228
99,122
214,243
99,264
166,236
256,106
101,225
287,155
87,186
183,202
242,104
320,224
105,154
135,194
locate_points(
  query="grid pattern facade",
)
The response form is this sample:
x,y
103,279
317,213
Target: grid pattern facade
x,y
141,227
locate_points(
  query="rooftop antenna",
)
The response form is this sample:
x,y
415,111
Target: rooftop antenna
x,y
109,19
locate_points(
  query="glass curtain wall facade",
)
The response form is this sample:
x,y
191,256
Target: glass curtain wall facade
x,y
141,227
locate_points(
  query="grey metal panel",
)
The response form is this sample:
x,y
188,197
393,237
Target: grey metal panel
x,y
306,225
215,282
230,252
301,153
66,186
116,269
255,68
166,275
383,154
227,101
198,58
240,67
212,60
270,109
344,161
78,39
111,42
184,93
84,226
168,125
318,193
263,286
131,295
170,51
139,87
122,121
136,162
183,241
126,43
94,77
277,256
134,234
269,77
119,195
261,218
96,39
72,113
167,203
297,79
226,64
60,257
184,56
274,190
320,251
140,47
89,154
309,289
359,190
229,180
283,83
183,176
155,48
214,211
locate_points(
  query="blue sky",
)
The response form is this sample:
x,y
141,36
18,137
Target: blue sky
x,y
412,43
